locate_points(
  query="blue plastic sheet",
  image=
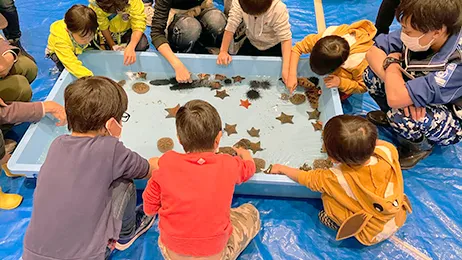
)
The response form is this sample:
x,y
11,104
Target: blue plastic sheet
x,y
290,229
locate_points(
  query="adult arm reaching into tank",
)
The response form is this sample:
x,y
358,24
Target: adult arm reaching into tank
x,y
18,112
159,24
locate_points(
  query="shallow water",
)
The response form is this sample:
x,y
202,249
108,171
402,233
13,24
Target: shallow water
x,y
291,144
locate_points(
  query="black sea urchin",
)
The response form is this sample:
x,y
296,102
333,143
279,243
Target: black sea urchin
x,y
253,94
228,81
314,80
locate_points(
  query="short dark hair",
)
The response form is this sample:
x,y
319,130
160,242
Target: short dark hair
x,y
350,139
81,19
255,7
91,101
328,54
430,15
197,124
112,6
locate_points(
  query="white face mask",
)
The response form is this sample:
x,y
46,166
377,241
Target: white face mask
x,y
413,43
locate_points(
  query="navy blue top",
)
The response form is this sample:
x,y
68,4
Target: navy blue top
x,y
438,76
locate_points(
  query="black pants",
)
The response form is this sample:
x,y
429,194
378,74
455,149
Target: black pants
x,y
386,15
247,49
8,9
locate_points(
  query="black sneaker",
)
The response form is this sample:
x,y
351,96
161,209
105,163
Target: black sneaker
x,y
410,153
378,118
328,222
18,44
143,224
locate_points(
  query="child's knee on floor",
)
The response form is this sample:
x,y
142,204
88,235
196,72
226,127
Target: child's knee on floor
x,y
15,88
184,32
25,67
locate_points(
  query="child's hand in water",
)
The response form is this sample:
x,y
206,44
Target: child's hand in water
x,y
276,169
285,75
182,74
243,153
291,83
332,81
57,111
224,58
118,48
129,56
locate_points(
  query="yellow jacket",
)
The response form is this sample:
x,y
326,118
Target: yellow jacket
x,y
133,17
367,202
60,43
359,36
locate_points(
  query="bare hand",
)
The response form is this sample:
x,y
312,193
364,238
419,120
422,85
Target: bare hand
x,y
5,159
57,111
332,81
118,48
285,75
2,103
276,169
291,83
417,113
243,153
9,59
183,75
129,56
224,58
154,163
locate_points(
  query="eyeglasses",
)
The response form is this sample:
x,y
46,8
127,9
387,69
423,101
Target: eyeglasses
x,y
125,117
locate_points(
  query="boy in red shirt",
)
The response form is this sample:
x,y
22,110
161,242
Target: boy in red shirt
x,y
192,192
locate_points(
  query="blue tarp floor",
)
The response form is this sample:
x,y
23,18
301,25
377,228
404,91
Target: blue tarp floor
x,y
290,229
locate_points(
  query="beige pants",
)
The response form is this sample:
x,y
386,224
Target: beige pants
x,y
246,225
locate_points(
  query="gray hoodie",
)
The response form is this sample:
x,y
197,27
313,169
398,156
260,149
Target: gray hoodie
x,y
263,31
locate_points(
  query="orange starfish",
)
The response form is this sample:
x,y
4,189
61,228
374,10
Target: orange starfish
x,y
245,103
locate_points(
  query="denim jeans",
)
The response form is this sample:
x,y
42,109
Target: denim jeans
x,y
8,9
124,206
185,31
123,209
439,126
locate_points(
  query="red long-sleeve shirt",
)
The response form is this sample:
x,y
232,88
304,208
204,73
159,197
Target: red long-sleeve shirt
x,y
192,195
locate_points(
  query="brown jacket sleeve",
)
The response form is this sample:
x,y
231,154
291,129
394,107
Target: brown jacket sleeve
x,y
18,112
317,180
159,22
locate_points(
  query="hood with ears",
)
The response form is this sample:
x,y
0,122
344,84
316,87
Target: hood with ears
x,y
390,208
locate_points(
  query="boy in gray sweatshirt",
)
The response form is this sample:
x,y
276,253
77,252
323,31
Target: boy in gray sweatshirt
x,y
268,31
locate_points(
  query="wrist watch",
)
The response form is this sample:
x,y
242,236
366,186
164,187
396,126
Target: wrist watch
x,y
388,61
